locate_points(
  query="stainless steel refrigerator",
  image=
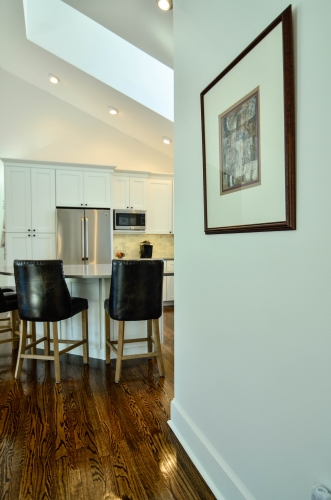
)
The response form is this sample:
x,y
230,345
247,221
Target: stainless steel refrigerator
x,y
83,236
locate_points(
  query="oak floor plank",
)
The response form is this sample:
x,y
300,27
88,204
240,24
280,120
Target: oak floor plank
x,y
149,471
14,472
128,479
62,479
91,472
88,438
76,486
111,491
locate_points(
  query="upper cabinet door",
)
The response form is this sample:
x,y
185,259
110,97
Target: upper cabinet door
x,y
121,191
138,193
97,189
43,200
69,188
159,212
18,199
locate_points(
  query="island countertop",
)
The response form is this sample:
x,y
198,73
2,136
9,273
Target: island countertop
x,y
98,271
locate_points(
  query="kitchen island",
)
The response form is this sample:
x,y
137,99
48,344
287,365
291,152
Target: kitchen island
x,y
92,281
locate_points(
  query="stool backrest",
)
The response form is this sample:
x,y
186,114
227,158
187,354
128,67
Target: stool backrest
x,y
136,290
42,292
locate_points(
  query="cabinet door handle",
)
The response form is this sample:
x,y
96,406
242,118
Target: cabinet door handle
x,y
33,230
33,235
81,204
29,229
29,234
86,204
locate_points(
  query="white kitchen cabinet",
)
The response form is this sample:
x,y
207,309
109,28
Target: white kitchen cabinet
x,y
97,189
43,246
69,188
23,246
168,282
29,199
77,188
18,246
159,216
170,288
129,192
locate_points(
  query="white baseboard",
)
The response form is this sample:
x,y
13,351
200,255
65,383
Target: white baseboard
x,y
221,479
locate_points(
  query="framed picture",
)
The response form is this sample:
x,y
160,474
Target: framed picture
x,y
248,137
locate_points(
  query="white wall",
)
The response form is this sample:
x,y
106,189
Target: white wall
x,y
252,322
35,125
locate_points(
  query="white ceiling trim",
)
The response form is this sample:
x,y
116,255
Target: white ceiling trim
x,y
77,39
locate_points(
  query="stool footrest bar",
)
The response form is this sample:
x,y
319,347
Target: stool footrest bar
x,y
75,344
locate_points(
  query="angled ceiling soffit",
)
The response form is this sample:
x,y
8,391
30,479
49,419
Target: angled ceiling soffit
x,y
77,39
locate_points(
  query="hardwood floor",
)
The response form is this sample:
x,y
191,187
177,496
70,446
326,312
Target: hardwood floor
x,y
89,438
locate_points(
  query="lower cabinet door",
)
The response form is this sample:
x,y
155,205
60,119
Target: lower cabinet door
x,y
18,246
170,288
25,246
43,246
164,290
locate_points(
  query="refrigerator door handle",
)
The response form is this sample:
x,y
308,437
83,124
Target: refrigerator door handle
x,y
86,238
83,238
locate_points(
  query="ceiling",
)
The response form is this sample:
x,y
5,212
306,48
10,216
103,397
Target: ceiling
x,y
131,139
140,22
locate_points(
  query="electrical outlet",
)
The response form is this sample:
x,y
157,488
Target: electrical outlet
x,y
320,493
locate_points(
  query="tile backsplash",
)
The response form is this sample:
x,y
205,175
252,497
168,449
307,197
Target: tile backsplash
x,y
129,244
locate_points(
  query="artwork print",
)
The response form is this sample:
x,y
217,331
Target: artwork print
x,y
239,145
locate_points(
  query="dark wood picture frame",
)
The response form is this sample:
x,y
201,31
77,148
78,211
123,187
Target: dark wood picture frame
x,y
287,168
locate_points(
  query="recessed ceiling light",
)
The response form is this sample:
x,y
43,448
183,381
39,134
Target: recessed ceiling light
x,y
166,140
164,4
53,79
112,111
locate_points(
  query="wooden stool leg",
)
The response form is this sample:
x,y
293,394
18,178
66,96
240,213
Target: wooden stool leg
x,y
107,329
56,353
47,333
21,350
13,325
119,351
149,335
159,357
33,336
85,335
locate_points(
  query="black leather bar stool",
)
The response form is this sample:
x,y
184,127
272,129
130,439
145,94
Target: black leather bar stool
x,y
8,303
43,296
135,295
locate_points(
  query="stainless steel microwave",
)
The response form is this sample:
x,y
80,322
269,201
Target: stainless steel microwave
x,y
129,220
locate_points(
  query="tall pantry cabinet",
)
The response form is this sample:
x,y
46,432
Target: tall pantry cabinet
x,y
29,213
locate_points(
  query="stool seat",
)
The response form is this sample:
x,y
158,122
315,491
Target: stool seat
x,y
11,301
78,305
8,303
